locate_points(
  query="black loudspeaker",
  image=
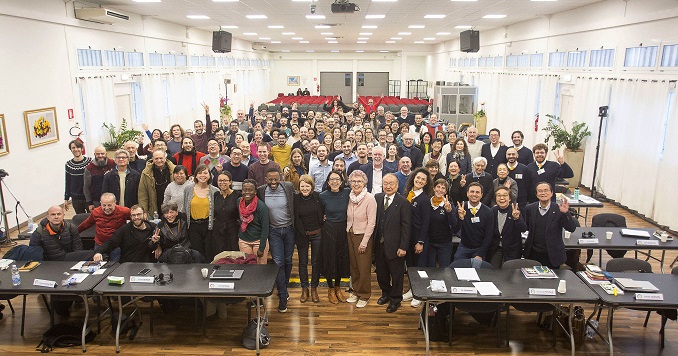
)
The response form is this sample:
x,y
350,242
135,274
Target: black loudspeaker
x,y
469,41
221,41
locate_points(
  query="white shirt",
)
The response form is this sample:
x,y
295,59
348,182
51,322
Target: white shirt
x,y
377,180
494,150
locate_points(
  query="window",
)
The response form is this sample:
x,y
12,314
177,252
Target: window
x,y
348,79
203,61
524,60
195,61
220,61
576,59
498,61
602,58
137,112
670,56
155,59
453,62
169,60
557,59
115,58
135,59
473,62
89,58
181,60
361,79
641,56
482,62
511,60
537,60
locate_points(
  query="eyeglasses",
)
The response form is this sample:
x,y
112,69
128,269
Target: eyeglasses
x,y
121,157
356,182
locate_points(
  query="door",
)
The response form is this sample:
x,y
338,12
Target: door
x,y
337,83
372,83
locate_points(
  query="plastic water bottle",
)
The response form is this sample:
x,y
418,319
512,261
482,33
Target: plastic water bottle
x,y
156,219
576,193
16,278
30,223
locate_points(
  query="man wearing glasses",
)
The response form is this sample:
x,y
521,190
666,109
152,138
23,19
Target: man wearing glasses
x,y
122,181
409,150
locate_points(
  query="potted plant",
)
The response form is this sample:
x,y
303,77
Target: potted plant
x,y
225,110
480,120
572,140
119,136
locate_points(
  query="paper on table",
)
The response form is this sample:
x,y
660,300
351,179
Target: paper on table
x,y
466,274
99,271
486,288
635,233
77,278
78,266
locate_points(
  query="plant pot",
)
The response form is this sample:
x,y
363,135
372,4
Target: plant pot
x,y
481,125
575,159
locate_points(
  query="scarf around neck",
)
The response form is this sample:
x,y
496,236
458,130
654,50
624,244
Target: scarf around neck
x,y
247,212
356,199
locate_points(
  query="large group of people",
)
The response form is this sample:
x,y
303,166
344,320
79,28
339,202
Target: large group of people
x,y
353,185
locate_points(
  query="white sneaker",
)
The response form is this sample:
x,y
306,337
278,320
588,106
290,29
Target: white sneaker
x,y
361,303
407,296
352,299
415,303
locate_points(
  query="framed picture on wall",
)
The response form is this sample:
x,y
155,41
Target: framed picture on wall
x,y
41,127
293,80
4,146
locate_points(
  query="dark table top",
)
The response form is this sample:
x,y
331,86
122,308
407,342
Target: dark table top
x,y
618,241
667,284
256,281
512,283
51,271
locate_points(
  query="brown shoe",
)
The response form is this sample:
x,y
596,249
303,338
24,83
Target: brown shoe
x,y
340,294
332,296
314,295
304,295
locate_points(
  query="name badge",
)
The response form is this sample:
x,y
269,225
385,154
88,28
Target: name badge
x,y
588,241
647,242
520,176
542,291
463,290
649,296
541,171
142,279
221,285
44,283
475,219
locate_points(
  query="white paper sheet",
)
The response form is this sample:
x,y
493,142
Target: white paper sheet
x,y
466,274
486,288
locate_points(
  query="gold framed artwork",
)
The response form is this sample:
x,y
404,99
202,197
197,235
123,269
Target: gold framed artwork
x,y
4,146
293,81
41,127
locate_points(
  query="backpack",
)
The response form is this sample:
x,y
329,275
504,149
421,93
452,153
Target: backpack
x,y
249,335
438,325
179,254
63,335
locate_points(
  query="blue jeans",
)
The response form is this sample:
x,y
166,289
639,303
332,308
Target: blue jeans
x,y
281,242
114,256
464,252
439,252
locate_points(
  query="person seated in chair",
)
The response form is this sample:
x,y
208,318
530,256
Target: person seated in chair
x,y
173,231
137,240
56,236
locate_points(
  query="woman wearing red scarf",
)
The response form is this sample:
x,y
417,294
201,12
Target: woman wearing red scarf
x,y
253,231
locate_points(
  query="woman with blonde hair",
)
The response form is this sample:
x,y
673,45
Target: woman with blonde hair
x,y
295,169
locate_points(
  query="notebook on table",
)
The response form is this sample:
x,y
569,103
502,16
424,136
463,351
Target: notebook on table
x,y
226,274
630,285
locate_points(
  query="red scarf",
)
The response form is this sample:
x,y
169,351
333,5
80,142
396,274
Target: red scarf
x,y
247,212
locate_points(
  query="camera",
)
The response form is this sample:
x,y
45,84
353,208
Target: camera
x,y
313,6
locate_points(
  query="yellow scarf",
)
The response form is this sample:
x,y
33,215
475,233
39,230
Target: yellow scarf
x,y
410,196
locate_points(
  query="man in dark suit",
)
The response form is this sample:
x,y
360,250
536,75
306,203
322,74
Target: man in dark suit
x,y
519,173
392,233
542,170
508,225
494,152
376,169
405,117
408,149
525,155
476,225
546,221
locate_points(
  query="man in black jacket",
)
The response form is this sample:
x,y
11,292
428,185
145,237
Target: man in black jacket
x,y
494,152
519,173
56,236
392,234
137,240
542,170
122,181
476,225
408,149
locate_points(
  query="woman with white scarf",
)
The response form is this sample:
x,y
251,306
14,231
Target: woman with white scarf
x,y
360,223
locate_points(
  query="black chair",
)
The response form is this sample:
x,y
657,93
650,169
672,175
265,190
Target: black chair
x,y
607,220
630,265
531,307
87,236
478,310
666,314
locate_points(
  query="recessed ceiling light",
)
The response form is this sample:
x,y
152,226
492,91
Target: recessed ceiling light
x,y
363,38
383,51
374,16
285,50
442,33
435,16
310,50
146,0
332,42
361,42
416,26
265,38
330,38
256,17
297,38
396,38
463,27
360,51
322,26
335,51
404,33
288,33
303,41
198,17
249,33
229,26
390,41
429,38
369,26
494,16
418,42
276,26
327,33
365,34
275,42
315,17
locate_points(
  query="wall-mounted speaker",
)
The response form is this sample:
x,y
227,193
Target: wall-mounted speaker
x,y
469,41
221,41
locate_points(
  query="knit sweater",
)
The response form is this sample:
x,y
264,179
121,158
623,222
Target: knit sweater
x,y
105,224
258,228
362,217
75,179
175,192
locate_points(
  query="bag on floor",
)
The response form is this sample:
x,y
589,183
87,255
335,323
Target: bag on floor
x,y
63,335
179,254
438,326
249,335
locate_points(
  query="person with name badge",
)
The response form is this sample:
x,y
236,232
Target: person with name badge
x,y
476,225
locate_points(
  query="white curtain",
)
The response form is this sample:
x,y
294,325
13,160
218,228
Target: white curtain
x,y
99,106
152,99
666,189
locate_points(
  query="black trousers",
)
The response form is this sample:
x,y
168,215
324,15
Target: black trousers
x,y
390,274
199,236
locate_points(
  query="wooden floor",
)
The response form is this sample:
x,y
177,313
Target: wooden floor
x,y
326,328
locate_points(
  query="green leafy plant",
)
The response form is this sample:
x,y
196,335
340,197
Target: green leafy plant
x,y
119,136
479,114
562,137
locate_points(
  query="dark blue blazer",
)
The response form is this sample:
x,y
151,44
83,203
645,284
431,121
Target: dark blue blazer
x,y
525,156
511,240
552,170
493,162
464,164
522,177
368,169
421,217
555,223
393,224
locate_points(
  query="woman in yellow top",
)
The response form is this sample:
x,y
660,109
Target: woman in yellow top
x,y
199,208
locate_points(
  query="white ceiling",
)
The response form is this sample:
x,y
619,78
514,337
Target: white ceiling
x,y
347,28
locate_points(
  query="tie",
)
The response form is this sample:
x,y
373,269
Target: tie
x,y
410,196
386,204
474,211
511,168
539,165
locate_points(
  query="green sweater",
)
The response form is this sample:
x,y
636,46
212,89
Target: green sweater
x,y
257,230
